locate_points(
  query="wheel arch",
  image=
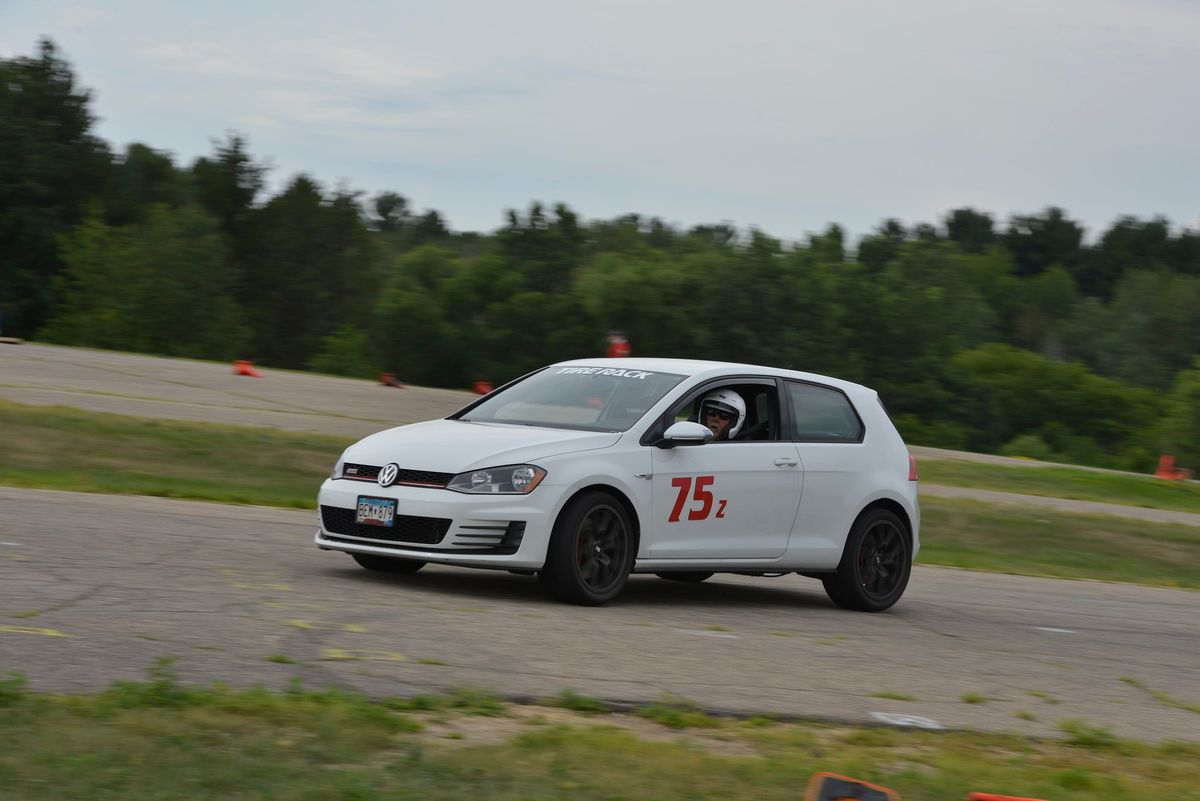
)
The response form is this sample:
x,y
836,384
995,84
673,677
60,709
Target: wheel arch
x,y
621,497
894,507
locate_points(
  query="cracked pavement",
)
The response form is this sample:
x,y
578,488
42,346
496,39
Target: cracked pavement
x,y
94,588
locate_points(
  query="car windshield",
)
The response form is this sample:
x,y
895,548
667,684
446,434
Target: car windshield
x,y
585,398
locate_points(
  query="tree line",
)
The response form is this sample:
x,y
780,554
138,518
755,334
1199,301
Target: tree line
x,y
1014,336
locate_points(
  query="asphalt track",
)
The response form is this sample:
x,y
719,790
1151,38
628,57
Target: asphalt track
x,y
93,588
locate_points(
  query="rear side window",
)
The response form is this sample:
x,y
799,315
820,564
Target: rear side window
x,y
821,414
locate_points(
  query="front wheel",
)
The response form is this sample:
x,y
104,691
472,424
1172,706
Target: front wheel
x,y
387,564
591,551
875,564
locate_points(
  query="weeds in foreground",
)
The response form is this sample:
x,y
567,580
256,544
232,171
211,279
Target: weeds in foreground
x,y
677,713
1085,735
467,701
569,699
164,739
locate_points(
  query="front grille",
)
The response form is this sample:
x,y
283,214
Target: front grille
x,y
369,472
407,528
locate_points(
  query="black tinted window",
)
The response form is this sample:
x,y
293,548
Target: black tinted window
x,y
822,414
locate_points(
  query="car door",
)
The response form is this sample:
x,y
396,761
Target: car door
x,y
726,500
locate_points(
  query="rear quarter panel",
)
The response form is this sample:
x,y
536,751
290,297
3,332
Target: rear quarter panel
x,y
842,479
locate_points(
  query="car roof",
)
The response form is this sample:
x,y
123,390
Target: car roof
x,y
710,369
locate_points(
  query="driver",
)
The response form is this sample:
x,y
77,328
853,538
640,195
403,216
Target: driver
x,y
724,412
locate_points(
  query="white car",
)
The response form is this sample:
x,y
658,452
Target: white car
x,y
588,470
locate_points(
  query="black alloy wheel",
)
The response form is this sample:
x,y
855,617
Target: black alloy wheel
x,y
880,558
875,565
600,549
591,551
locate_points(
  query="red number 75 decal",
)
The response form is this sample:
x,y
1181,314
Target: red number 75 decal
x,y
701,495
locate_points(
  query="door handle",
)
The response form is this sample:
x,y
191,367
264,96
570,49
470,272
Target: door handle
x,y
787,461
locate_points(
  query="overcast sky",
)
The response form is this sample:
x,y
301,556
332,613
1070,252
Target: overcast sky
x,y
782,115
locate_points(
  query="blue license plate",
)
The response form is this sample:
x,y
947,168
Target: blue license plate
x,y
376,511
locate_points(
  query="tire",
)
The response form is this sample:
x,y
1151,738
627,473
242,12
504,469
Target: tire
x,y
690,576
591,551
875,565
387,564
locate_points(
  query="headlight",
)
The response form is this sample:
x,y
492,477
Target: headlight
x,y
513,479
338,466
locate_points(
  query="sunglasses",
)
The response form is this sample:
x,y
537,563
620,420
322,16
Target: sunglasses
x,y
720,415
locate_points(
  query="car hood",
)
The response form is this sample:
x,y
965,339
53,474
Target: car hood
x,y
454,446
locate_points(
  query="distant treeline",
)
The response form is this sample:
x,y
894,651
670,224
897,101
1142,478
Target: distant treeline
x,y
1014,337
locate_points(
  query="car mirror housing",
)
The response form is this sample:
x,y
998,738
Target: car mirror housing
x,y
685,432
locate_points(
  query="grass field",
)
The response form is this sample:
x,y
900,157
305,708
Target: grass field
x,y
1041,542
160,740
69,449
1065,482
84,451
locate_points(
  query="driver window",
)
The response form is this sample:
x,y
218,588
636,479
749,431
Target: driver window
x,y
761,417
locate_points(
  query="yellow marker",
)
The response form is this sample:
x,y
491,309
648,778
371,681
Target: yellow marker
x,y
354,628
336,654
31,630
341,654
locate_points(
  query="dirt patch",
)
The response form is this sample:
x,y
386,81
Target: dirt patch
x,y
481,730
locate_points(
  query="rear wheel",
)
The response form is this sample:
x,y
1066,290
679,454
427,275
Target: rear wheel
x,y
690,576
875,564
591,551
387,564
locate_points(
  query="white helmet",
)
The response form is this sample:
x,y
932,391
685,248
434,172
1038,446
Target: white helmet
x,y
726,400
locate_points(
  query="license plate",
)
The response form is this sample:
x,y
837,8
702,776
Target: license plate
x,y
376,511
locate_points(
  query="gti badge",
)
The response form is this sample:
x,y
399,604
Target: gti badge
x,y
387,476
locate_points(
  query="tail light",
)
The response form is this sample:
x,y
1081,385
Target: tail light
x,y
912,468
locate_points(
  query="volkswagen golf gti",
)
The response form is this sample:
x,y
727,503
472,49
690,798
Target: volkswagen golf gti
x,y
586,471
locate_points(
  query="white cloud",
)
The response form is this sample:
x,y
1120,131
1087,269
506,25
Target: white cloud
x,y
210,59
289,62
367,68
83,16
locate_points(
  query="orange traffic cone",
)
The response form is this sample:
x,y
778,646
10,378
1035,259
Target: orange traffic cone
x,y
1166,466
389,380
825,786
482,387
244,367
1168,470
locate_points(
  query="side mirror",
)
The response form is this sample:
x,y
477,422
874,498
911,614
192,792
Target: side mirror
x,y
685,433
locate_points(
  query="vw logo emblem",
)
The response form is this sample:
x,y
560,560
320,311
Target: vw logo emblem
x,y
387,476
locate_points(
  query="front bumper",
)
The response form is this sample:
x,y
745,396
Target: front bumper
x,y
439,525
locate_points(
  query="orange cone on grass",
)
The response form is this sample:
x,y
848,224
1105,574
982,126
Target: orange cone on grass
x,y
1168,470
